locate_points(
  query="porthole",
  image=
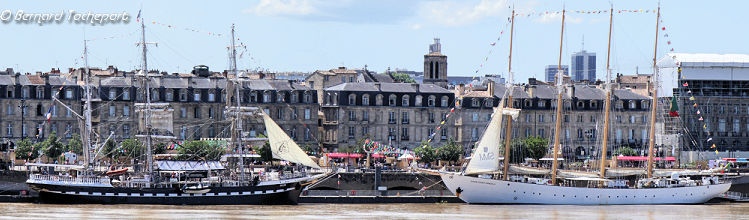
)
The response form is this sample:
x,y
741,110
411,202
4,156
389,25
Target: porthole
x,y
585,196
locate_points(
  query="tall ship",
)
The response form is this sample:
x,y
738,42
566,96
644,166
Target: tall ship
x,y
197,182
484,181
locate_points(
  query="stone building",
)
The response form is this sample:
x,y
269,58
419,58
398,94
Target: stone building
x,y
397,113
435,65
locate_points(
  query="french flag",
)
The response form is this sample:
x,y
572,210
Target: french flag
x,y
49,113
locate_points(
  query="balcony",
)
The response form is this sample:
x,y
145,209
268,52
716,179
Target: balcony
x,y
330,122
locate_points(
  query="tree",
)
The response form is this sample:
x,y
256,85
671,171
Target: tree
x,y
450,151
426,152
625,151
52,147
537,147
26,151
132,148
159,148
110,149
402,77
200,150
265,152
310,149
74,145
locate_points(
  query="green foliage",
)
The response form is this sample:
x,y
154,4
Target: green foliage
x,y
75,145
110,150
52,147
402,77
450,151
425,152
265,152
310,149
132,148
625,151
536,146
200,150
26,151
159,148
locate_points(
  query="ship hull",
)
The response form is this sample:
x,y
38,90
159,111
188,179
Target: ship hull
x,y
278,194
489,191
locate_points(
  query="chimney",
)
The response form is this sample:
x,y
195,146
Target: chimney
x,y
461,89
531,89
571,91
378,86
490,87
415,86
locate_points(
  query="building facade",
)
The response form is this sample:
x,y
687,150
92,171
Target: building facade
x,y
435,65
551,72
583,66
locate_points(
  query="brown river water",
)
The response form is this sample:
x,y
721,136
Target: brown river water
x,y
375,211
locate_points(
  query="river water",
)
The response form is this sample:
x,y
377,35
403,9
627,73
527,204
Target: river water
x,y
375,211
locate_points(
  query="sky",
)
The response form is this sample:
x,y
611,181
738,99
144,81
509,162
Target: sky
x,y
309,35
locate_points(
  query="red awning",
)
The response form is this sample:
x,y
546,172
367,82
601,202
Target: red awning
x,y
337,155
378,156
639,158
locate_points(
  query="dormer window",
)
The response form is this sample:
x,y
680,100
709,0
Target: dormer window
x,y
475,102
266,97
196,96
365,99
112,94
391,100
39,93
125,94
431,101
489,103
405,101
444,101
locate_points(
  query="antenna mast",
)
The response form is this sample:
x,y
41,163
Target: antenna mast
x,y
238,120
147,112
608,100
87,112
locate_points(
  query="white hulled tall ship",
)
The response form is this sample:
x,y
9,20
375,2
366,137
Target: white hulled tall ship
x,y
482,181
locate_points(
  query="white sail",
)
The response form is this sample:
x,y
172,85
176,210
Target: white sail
x,y
283,147
485,156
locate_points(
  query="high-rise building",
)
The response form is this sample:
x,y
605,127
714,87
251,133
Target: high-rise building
x,y
551,72
583,66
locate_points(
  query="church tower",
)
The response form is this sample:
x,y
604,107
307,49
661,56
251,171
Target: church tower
x,y
435,65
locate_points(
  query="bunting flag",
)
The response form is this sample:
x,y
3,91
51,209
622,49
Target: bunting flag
x,y
712,146
691,98
700,119
674,112
716,152
698,112
686,84
709,139
695,105
171,27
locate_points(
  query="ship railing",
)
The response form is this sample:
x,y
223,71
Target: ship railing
x,y
736,196
68,179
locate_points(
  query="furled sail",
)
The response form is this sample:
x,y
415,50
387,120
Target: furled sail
x,y
485,156
283,147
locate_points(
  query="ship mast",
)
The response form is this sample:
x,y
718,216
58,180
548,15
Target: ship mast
x,y
608,99
560,88
237,134
655,96
508,132
147,112
87,112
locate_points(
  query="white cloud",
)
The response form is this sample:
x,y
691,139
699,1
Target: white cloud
x,y
415,26
459,13
283,7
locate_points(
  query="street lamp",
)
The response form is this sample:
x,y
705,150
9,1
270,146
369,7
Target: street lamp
x,y
23,106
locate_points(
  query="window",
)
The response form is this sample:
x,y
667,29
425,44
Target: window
x,y
351,131
126,111
378,100
352,99
542,104
592,118
489,103
444,101
196,112
182,95
279,113
25,92
618,135
306,114
632,105
169,95
266,97
580,133
39,111
196,96
365,115
351,116
736,126
365,100
294,97
125,94
404,134
183,133
404,118
528,132
632,119
306,134
618,119
68,131
541,118
475,117
182,112
391,100
68,113
9,130
69,94
722,124
431,118
528,118
154,95
126,131
488,117
293,114
566,118
23,130
474,134
211,97
391,118
475,102
112,94
307,98
10,92
112,110
364,131
9,109
25,110
417,102
280,97
444,134
541,132
405,101
54,110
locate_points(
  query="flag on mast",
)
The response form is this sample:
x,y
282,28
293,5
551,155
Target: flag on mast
x,y
674,108
137,19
